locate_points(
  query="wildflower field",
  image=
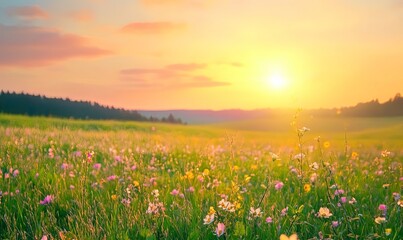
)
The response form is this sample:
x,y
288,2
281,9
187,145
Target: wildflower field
x,y
70,179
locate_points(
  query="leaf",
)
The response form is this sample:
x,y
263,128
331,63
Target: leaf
x,y
145,233
300,209
194,235
239,229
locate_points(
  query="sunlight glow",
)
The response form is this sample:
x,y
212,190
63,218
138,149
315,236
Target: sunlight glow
x,y
277,81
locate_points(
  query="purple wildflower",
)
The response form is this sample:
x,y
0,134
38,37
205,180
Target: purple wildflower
x,y
47,200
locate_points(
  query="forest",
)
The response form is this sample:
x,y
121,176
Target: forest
x,y
37,105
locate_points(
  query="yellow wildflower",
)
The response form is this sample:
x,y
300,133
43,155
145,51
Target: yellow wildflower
x,y
307,187
237,205
189,175
211,211
380,220
354,155
114,197
292,237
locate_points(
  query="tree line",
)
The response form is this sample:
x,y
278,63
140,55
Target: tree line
x,y
37,105
391,108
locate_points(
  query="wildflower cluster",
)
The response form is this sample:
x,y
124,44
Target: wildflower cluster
x,y
228,206
210,216
155,207
255,213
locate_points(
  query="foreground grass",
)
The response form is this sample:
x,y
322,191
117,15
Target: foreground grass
x,y
67,179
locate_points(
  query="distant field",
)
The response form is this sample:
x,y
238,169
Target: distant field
x,y
71,179
388,131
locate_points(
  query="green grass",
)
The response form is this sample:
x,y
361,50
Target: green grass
x,y
51,158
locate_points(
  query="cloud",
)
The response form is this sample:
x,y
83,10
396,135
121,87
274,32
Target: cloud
x,y
236,64
171,76
160,2
153,27
186,67
203,81
150,72
191,3
82,15
31,12
231,64
25,46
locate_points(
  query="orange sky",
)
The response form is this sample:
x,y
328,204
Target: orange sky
x,y
204,54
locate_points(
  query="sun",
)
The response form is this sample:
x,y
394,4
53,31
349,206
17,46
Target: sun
x,y
277,81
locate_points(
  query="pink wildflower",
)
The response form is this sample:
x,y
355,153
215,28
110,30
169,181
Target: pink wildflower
x,y
97,166
64,166
339,192
343,199
279,185
175,192
220,230
383,208
77,154
111,178
284,211
90,155
50,153
118,158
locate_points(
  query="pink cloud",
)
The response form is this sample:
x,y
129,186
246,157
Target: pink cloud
x,y
151,72
158,2
203,81
171,76
153,27
186,67
31,12
25,46
191,3
82,15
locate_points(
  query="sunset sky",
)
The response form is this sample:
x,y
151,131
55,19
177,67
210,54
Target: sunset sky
x,y
204,54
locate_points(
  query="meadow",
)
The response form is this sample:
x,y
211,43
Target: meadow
x,y
263,179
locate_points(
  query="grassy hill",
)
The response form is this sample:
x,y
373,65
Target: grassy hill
x,y
268,130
